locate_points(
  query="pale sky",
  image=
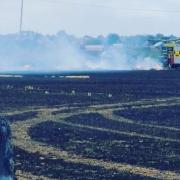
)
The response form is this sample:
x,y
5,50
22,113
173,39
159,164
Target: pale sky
x,y
92,17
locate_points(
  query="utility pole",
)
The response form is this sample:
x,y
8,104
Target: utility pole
x,y
21,16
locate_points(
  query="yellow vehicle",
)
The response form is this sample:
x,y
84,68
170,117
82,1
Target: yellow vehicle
x,y
170,52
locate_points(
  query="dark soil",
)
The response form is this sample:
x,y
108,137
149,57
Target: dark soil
x,y
64,111
166,116
124,87
21,116
109,146
97,120
60,169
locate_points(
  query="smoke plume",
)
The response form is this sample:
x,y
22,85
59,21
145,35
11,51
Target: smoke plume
x,y
36,52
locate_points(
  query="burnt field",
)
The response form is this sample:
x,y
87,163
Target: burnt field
x,y
48,90
111,125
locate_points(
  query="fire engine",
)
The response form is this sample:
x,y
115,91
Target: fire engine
x,y
170,52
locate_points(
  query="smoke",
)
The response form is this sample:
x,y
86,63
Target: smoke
x,y
148,63
119,59
35,52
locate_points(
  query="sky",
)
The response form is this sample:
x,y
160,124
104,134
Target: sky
x,y
92,17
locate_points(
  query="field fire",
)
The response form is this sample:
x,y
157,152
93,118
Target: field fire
x,y
89,90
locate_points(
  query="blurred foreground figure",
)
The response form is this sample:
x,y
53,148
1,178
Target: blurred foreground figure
x,y
6,151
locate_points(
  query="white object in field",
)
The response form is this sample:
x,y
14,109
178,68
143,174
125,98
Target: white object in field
x,y
110,95
73,92
89,94
28,88
46,92
10,76
77,77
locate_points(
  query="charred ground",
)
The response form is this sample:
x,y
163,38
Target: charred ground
x,y
115,125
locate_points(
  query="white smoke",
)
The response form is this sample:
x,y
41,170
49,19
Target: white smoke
x,y
64,54
148,64
117,59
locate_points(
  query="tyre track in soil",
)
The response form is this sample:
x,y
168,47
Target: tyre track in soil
x,y
23,140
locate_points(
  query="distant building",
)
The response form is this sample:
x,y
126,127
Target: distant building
x,y
117,46
94,49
